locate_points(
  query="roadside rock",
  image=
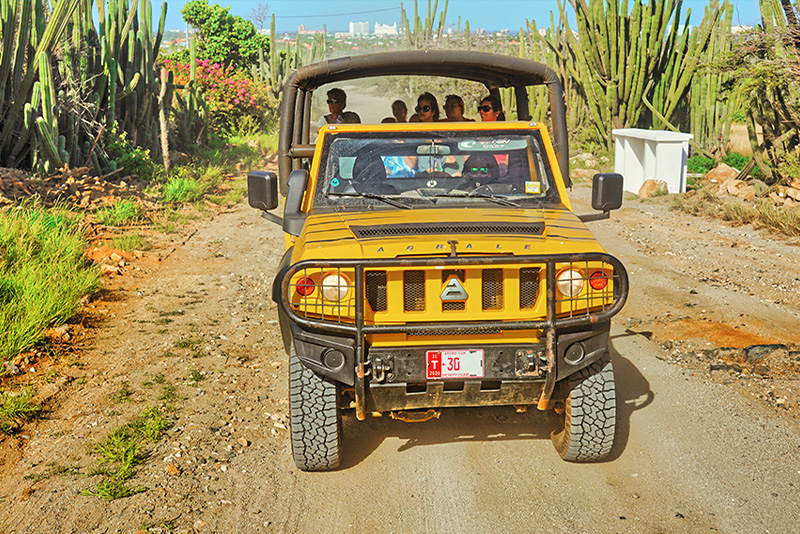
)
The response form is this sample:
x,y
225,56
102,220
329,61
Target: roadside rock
x,y
720,174
732,354
756,353
579,174
651,188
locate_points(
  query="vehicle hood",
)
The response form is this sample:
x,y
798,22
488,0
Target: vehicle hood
x,y
428,232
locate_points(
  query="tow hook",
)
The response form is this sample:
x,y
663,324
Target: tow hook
x,y
380,370
416,416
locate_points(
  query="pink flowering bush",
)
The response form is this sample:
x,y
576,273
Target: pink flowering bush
x,y
238,104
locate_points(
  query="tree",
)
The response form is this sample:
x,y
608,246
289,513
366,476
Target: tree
x,y
260,15
224,38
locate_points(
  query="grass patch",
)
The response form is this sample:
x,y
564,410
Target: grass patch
x,y
179,190
763,214
196,377
192,343
121,213
131,242
123,394
53,470
169,394
16,410
120,452
43,274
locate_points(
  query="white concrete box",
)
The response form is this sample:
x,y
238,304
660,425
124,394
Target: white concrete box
x,y
641,155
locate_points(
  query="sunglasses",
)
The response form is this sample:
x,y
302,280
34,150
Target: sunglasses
x,y
485,109
332,101
423,108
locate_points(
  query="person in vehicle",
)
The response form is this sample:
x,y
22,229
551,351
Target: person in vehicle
x,y
337,101
454,109
479,170
369,175
491,109
427,108
399,111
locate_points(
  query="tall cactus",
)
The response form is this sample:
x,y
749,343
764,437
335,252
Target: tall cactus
x,y
52,110
622,58
422,34
274,71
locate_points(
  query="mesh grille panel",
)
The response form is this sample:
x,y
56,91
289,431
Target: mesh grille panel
x,y
450,229
528,287
492,284
414,290
376,290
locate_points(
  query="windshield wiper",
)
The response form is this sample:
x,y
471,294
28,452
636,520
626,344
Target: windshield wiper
x,y
387,200
494,198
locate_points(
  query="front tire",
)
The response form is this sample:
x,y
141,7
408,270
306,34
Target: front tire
x,y
584,432
314,418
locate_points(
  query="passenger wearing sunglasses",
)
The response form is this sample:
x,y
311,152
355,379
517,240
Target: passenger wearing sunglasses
x,y
337,100
427,108
491,109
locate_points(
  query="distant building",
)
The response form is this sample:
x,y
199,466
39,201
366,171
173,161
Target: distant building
x,y
385,29
301,30
359,28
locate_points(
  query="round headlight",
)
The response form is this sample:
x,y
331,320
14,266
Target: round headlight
x,y
334,287
569,282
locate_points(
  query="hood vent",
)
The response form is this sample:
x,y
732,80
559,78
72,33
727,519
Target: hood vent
x,y
506,228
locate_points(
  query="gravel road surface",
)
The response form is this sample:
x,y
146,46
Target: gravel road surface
x,y
697,450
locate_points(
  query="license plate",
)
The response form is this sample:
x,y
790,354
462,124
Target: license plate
x,y
464,363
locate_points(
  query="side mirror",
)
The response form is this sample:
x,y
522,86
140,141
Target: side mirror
x,y
262,190
606,196
607,191
293,220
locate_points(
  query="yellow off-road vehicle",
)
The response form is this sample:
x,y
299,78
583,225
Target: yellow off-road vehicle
x,y
439,265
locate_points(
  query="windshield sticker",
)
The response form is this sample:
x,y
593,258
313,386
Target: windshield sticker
x,y
479,145
533,188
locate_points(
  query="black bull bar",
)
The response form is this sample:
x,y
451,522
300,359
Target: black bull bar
x,y
357,329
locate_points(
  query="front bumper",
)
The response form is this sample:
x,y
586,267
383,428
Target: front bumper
x,y
353,360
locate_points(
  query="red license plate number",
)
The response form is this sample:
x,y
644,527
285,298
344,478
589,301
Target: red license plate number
x,y
461,363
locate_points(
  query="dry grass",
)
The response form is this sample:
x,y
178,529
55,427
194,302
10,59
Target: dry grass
x,y
760,213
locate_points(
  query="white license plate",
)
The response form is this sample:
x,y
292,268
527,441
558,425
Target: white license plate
x,y
463,363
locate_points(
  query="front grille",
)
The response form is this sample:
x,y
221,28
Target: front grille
x,y
461,332
375,290
507,228
414,290
451,305
492,289
528,287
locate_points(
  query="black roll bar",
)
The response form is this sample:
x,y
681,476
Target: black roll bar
x,y
492,70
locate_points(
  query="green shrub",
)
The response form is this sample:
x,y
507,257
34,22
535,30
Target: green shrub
x,y
737,161
700,164
120,213
43,274
134,159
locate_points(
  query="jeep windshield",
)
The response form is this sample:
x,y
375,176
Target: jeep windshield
x,y
433,168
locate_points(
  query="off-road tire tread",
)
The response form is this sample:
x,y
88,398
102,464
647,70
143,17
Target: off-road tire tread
x,y
590,414
314,418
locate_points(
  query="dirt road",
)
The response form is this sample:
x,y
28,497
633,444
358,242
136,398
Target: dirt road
x,y
697,450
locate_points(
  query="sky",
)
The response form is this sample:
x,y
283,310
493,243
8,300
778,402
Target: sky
x,y
488,15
